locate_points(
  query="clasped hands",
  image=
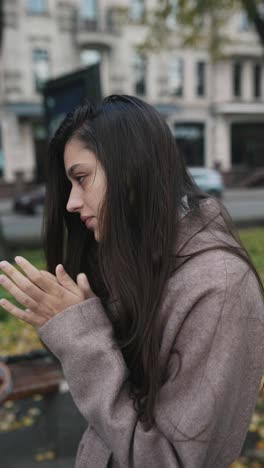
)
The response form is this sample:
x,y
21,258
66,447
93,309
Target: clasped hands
x,y
42,294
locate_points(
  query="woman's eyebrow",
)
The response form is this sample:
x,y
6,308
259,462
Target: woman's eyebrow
x,y
74,167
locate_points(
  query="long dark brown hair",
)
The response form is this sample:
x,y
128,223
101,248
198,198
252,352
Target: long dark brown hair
x,y
146,184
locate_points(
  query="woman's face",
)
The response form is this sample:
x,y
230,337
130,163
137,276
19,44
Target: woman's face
x,y
88,184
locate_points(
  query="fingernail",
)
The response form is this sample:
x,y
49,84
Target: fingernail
x,y
2,301
2,279
82,275
3,264
18,259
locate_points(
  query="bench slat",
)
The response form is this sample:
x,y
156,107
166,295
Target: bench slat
x,y
40,376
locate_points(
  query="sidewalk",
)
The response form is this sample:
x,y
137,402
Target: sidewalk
x,y
60,463
6,205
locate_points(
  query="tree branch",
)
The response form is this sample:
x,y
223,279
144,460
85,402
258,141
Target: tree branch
x,y
251,7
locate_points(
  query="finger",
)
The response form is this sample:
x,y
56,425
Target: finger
x,y
35,275
17,293
66,281
84,285
17,277
26,315
23,283
49,275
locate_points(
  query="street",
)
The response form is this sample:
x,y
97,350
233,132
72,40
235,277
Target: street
x,y
245,205
58,463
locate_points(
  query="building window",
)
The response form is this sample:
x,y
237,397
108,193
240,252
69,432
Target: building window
x,y
88,10
243,21
237,79
140,74
137,10
38,7
90,57
200,78
260,8
171,20
175,76
247,143
190,137
257,71
41,67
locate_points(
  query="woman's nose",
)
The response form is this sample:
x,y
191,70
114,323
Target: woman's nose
x,y
74,202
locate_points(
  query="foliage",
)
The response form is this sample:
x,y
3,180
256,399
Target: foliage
x,y
252,455
17,337
253,241
12,418
199,22
36,257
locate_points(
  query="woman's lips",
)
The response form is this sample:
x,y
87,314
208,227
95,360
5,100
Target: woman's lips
x,y
89,222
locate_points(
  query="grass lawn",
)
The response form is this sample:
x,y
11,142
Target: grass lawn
x,y
253,239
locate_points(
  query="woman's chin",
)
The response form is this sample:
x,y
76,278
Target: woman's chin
x,y
96,235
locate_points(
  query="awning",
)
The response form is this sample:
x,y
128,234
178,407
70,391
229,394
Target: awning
x,y
26,109
166,109
239,108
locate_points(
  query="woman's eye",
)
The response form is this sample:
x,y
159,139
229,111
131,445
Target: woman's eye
x,y
80,179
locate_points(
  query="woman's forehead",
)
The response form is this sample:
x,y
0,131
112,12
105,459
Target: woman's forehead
x,y
75,152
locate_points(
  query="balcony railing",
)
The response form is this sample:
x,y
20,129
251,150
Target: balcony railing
x,y
92,32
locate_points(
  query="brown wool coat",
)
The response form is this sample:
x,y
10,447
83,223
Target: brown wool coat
x,y
212,316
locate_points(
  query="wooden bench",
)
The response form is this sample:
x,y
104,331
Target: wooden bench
x,y
34,374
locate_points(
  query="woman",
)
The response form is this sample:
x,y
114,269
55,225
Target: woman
x,y
157,315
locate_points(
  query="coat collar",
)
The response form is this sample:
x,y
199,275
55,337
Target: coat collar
x,y
193,234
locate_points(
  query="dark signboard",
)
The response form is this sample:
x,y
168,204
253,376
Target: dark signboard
x,y
63,94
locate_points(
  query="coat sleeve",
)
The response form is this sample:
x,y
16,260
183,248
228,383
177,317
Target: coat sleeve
x,y
212,374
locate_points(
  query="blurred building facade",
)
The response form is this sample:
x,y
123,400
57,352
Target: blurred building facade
x,y
215,110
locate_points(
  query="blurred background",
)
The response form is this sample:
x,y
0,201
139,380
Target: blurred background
x,y
200,63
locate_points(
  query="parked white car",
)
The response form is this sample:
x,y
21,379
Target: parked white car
x,y
208,180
